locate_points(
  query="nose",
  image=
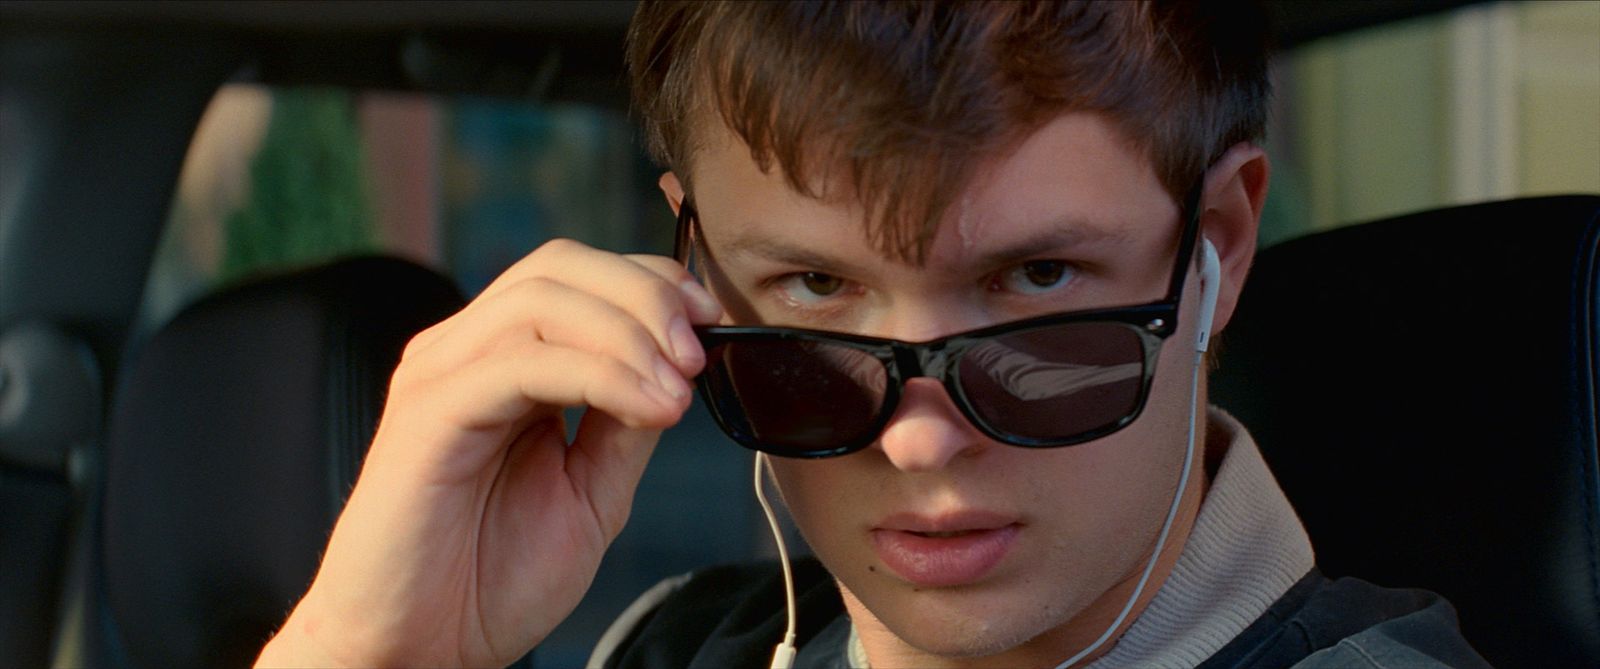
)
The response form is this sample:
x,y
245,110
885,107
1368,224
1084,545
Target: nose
x,y
927,431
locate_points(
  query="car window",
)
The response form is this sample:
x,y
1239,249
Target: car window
x,y
1490,101
284,177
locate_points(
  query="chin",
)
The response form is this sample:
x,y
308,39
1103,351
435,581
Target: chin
x,y
978,640
957,623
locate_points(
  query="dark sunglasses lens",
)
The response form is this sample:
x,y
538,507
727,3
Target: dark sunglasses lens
x,y
791,397
1057,383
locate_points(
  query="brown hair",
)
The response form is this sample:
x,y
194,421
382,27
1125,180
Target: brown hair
x,y
897,101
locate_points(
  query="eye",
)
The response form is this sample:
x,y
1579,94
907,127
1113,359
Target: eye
x,y
810,287
1035,277
821,284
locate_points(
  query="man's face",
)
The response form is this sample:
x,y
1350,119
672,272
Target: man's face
x,y
1070,219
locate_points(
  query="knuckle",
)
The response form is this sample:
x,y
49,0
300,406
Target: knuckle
x,y
668,268
558,246
418,342
533,290
615,373
400,382
642,343
527,302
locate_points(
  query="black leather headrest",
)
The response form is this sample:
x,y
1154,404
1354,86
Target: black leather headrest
x,y
1425,389
236,432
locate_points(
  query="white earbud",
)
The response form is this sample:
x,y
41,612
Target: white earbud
x,y
1210,285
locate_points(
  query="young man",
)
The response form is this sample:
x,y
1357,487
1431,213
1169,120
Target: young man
x,y
996,225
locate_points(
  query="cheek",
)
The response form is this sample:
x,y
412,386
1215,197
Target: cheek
x,y
1119,488
816,493
1163,426
1105,493
834,502
1167,410
1147,457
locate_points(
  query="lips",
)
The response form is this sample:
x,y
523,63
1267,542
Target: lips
x,y
944,551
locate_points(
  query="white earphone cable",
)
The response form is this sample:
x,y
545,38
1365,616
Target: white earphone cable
x,y
1166,526
783,654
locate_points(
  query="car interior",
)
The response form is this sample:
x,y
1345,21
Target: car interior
x,y
1425,385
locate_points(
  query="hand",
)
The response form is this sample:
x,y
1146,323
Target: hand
x,y
475,528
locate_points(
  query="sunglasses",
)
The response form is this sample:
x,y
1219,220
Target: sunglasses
x,y
1042,382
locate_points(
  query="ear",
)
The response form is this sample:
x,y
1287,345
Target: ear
x,y
1235,190
673,189
732,303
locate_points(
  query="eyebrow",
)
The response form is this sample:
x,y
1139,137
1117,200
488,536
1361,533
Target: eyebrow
x,y
1060,234
790,254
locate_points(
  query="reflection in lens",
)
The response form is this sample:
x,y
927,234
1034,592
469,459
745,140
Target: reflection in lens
x,y
796,395
1028,378
1058,382
864,370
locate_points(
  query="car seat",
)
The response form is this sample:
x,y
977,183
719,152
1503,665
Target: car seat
x,y
239,427
50,410
1424,388
235,434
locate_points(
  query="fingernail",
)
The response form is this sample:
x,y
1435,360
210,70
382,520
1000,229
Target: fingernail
x,y
685,346
671,381
703,302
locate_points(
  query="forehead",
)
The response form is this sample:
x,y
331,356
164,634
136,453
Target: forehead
x,y
1076,178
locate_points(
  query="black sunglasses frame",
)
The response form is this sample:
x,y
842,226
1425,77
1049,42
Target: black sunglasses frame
x,y
1153,323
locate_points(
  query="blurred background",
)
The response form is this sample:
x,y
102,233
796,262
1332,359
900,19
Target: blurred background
x,y
1483,101
464,164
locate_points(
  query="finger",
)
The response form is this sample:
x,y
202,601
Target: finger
x,y
425,339
565,256
655,301
558,314
529,265
605,463
703,308
498,391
